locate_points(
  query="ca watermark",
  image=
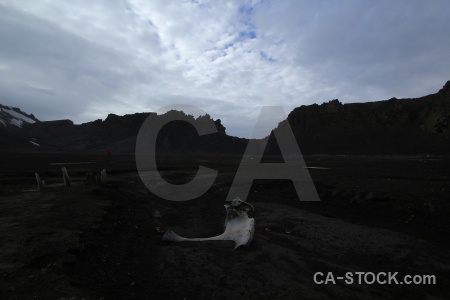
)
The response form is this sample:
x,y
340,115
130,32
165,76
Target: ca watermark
x,y
250,167
373,278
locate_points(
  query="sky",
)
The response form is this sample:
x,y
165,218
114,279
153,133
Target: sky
x,y
84,59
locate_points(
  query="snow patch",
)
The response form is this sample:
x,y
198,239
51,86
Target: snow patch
x,y
72,163
20,116
8,116
36,144
16,122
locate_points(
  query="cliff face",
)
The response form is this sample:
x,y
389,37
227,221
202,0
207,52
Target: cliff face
x,y
437,115
395,126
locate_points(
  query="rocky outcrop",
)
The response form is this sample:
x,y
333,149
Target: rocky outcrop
x,y
118,133
394,126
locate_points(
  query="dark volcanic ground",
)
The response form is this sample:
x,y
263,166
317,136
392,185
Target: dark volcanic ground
x,y
87,241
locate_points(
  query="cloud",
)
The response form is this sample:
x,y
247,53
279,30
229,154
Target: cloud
x,y
82,59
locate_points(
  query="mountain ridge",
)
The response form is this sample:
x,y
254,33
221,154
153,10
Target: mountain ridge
x,y
119,133
13,116
395,126
407,126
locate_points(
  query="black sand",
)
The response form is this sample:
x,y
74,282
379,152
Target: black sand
x,y
88,241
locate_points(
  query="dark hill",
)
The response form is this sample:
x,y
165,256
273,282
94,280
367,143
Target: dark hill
x,y
118,133
394,126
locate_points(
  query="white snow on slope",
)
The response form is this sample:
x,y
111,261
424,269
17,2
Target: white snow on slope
x,y
11,117
16,122
36,144
20,116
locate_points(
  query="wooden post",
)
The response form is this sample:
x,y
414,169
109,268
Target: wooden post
x,y
103,176
39,182
65,176
89,177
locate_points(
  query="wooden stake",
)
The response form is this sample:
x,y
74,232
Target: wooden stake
x,y
65,176
103,176
39,182
89,177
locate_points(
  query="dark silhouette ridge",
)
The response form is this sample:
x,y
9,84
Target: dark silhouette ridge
x,y
118,133
394,126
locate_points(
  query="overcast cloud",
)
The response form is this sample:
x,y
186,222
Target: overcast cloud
x,y
83,59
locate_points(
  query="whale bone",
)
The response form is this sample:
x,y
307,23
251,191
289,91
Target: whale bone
x,y
238,226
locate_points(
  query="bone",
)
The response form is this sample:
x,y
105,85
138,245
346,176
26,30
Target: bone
x,y
238,226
